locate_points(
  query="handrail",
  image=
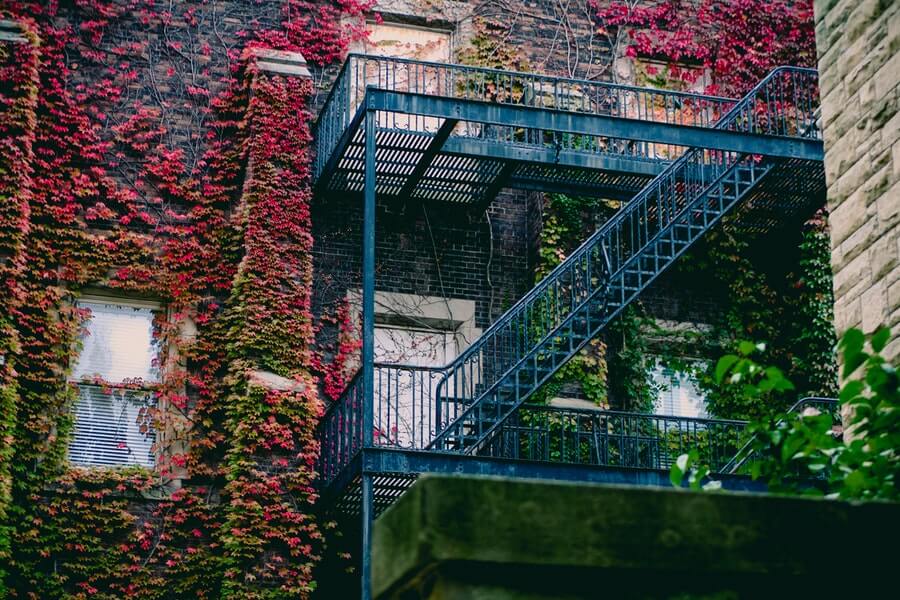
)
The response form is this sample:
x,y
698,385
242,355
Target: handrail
x,y
739,461
611,438
513,73
625,413
497,86
625,213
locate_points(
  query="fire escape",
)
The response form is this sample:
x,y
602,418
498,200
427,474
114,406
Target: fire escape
x,y
678,162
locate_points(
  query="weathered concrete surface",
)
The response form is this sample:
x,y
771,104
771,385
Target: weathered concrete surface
x,y
859,66
505,539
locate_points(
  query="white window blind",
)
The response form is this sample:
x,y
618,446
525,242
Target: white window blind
x,y
111,423
111,428
117,344
677,394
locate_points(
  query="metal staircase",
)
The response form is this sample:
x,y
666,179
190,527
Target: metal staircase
x,y
426,132
535,338
412,131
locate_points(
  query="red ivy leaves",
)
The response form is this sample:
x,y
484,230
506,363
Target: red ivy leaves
x,y
112,203
739,41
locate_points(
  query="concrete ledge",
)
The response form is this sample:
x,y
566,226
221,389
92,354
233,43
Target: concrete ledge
x,y
281,62
481,537
11,31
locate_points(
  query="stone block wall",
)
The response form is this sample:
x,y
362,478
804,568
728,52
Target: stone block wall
x,y
859,66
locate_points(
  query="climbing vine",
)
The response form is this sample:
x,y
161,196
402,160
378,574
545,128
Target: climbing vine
x,y
733,42
141,151
18,98
814,364
791,310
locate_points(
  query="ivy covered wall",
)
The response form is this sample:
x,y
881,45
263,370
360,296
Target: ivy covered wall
x,y
142,152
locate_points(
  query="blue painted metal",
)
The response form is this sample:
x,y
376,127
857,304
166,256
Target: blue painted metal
x,y
435,145
395,421
532,340
368,518
772,141
398,460
460,146
557,121
403,137
368,351
497,87
368,299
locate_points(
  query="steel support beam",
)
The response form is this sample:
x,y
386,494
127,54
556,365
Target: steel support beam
x,y
596,125
434,147
368,349
499,181
463,146
367,512
575,189
384,460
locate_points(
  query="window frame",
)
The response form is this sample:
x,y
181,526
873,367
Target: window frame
x,y
398,22
85,385
670,374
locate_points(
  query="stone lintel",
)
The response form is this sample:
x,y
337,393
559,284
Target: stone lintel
x,y
271,381
11,31
281,62
506,539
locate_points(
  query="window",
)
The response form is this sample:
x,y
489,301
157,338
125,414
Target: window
x,y
407,41
404,417
115,375
419,347
413,333
678,394
652,73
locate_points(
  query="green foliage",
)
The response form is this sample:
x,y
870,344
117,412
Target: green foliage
x,y
689,466
812,340
489,47
793,312
806,452
629,365
754,382
622,374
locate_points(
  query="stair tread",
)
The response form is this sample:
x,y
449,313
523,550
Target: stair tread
x,y
677,223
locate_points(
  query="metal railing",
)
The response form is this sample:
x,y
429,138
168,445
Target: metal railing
x,y
340,430
533,433
405,414
822,405
614,264
539,432
613,438
508,87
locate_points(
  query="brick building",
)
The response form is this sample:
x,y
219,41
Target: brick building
x,y
178,259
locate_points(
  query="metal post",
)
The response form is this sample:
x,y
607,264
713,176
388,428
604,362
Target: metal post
x,y
368,349
367,520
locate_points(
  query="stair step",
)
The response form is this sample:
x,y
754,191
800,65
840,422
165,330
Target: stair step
x,y
677,215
